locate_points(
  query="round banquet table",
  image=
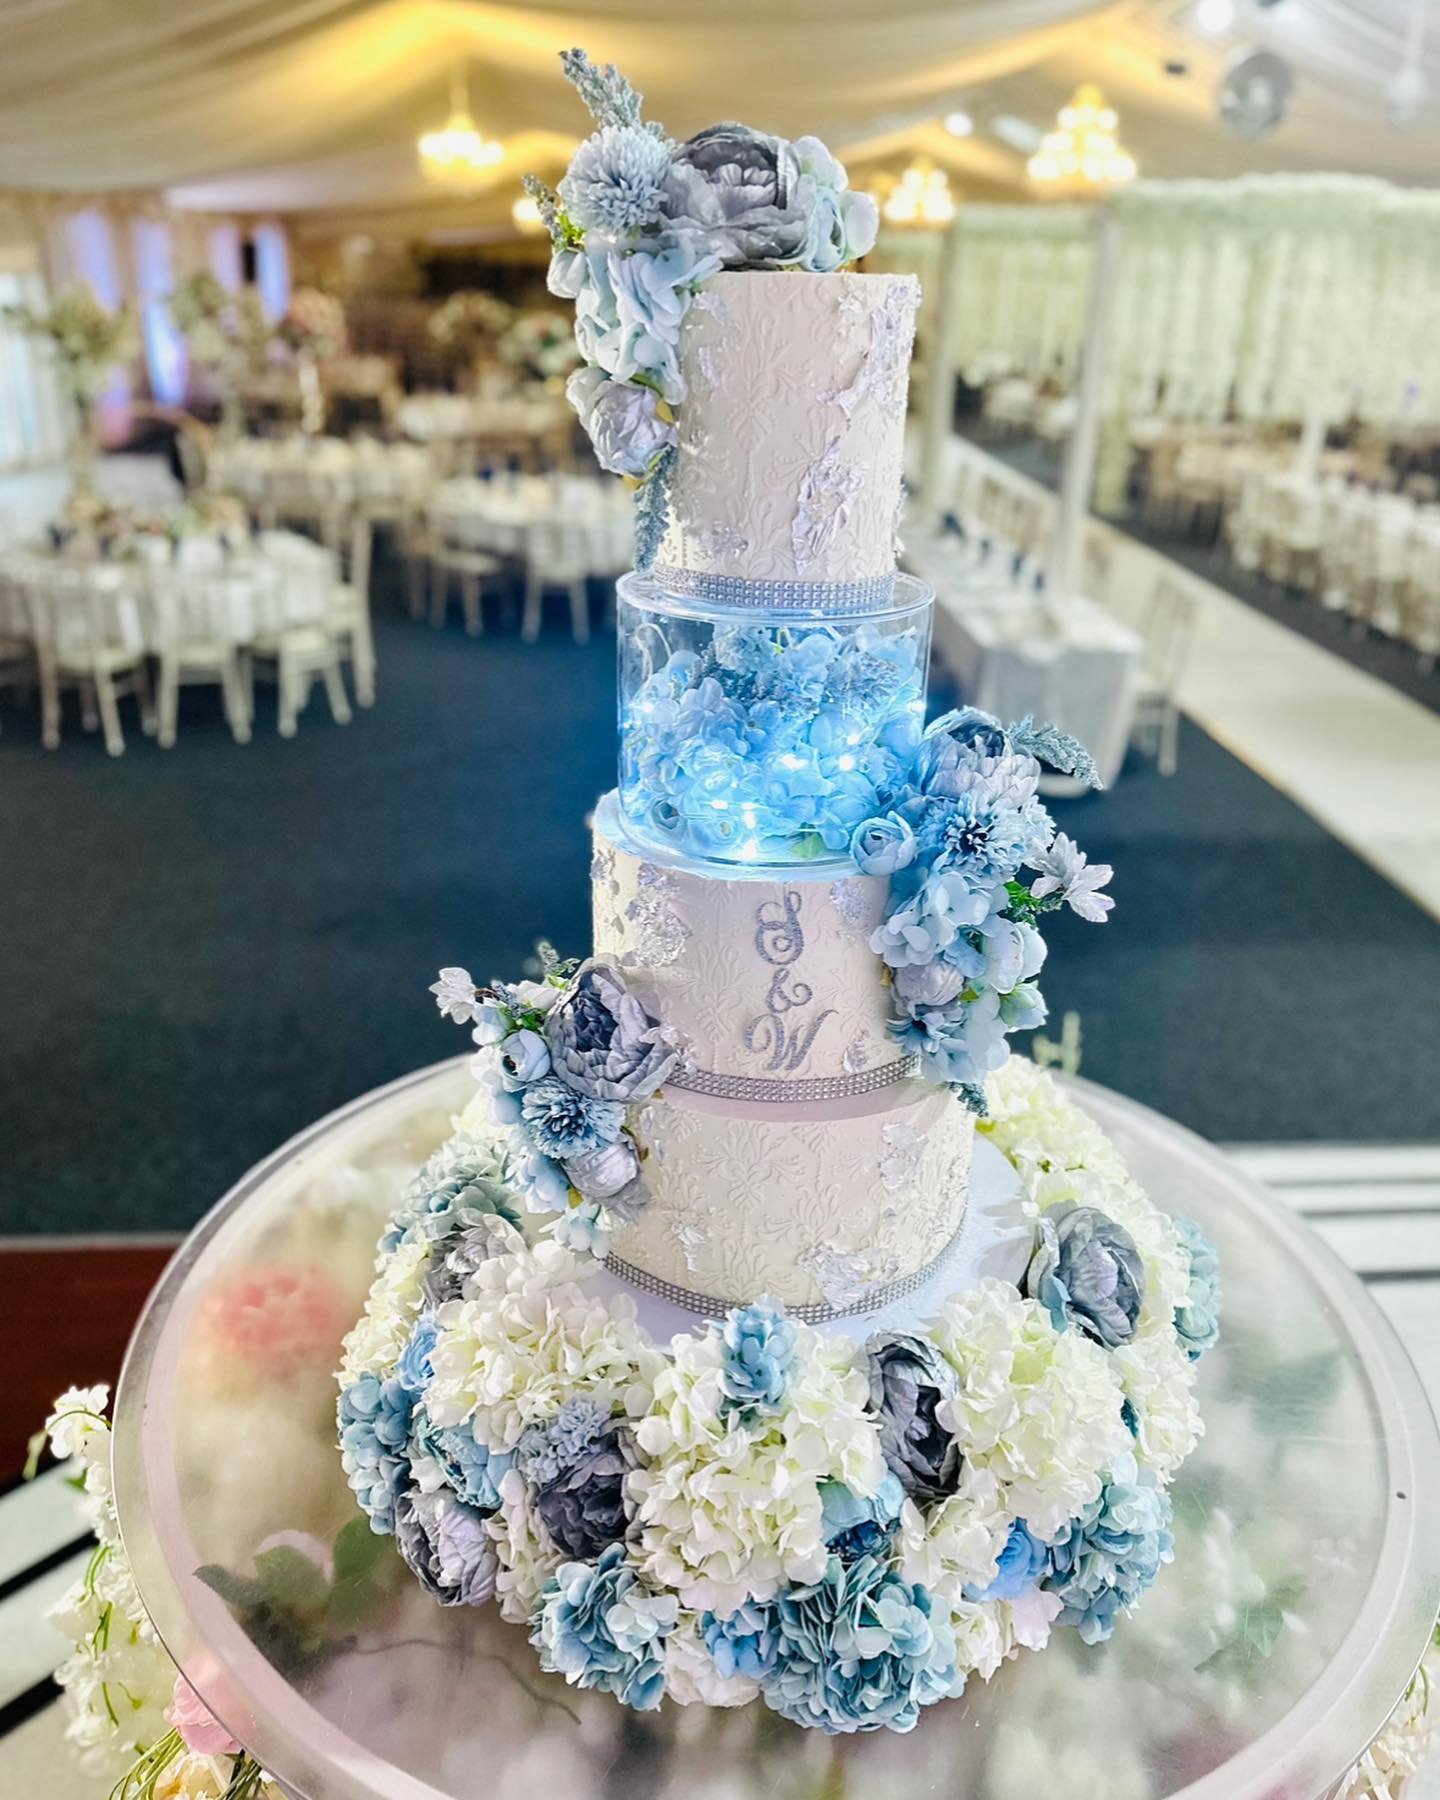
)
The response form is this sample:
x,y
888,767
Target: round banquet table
x,y
1304,1589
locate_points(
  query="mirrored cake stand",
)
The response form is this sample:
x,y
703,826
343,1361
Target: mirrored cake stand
x,y
1305,1584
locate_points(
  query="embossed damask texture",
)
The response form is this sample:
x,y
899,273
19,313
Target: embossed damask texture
x,y
807,1210
792,430
769,980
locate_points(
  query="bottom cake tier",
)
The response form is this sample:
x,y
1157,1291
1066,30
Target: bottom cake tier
x,y
830,1207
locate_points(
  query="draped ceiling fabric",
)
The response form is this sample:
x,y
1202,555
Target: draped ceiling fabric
x,y
286,105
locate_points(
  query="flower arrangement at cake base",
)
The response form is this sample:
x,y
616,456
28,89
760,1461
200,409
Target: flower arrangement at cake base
x,y
846,1528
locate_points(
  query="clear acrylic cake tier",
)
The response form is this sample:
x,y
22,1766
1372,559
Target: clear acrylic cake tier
x,y
765,734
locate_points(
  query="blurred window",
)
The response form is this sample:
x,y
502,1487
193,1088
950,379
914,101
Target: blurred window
x,y
32,419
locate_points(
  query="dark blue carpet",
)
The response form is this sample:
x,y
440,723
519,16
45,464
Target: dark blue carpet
x,y
204,949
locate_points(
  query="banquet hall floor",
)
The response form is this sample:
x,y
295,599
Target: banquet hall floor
x,y
205,949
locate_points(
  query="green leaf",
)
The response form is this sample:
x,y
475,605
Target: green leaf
x,y
357,1550
34,1450
290,1581
235,1590
807,846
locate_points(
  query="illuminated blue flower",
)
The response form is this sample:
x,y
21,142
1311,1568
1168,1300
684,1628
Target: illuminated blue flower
x,y
759,1355
560,1121
472,1469
859,1649
1109,1555
374,1422
1197,1320
1086,1271
599,1628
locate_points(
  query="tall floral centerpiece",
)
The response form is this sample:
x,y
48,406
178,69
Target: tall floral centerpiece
x,y
638,223
541,345
226,333
314,328
89,342
471,324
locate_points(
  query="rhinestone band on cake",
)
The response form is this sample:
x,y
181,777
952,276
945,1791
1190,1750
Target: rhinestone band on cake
x,y
871,594
818,1087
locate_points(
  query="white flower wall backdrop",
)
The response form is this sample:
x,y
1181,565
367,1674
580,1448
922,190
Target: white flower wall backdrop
x,y
1266,298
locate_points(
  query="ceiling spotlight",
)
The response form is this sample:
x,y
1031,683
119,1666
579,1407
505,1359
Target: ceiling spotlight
x,y
526,214
959,124
1215,17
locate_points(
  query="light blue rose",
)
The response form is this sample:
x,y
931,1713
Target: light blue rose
x,y
931,984
491,1025
543,1181
882,846
524,1057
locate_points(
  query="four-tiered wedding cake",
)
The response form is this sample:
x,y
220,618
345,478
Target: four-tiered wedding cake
x,y
841,1478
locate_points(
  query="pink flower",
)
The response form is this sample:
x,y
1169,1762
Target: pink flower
x,y
275,1319
202,1731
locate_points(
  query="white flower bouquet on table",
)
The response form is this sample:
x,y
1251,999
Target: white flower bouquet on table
x,y
542,344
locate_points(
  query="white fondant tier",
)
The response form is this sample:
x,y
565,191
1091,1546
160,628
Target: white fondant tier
x,y
768,977
833,1206
791,432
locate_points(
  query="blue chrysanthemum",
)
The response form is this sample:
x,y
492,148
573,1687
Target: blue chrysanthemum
x,y
858,1650
473,1471
374,1420
759,1354
1111,1554
599,1628
562,1122
1197,1321
616,180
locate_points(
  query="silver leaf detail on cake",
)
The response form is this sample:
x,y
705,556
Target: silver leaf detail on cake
x,y
884,368
847,896
858,1053
847,1278
711,303
660,934
827,492
900,1163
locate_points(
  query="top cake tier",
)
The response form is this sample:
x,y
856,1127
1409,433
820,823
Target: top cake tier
x,y
787,486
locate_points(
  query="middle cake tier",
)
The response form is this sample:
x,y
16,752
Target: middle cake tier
x,y
767,976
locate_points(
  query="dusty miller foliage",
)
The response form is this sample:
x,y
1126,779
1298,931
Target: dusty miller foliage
x,y
605,91
1055,749
652,507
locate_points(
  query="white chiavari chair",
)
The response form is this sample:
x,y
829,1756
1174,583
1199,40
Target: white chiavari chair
x,y
294,642
202,617
17,646
456,549
556,557
88,629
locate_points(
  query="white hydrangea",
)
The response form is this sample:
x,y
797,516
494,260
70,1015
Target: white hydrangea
x,y
727,1511
691,1678
1159,1382
1060,1153
989,1633
526,1555
374,1344
1038,1408
530,1339
958,1544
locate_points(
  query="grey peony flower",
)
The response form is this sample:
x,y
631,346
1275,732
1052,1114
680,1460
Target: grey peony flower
x,y
474,1238
733,192
583,1510
603,1043
929,984
602,1174
1086,1272
444,1544
908,1380
621,419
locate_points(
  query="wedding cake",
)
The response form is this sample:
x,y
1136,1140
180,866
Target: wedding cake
x,y
670,1351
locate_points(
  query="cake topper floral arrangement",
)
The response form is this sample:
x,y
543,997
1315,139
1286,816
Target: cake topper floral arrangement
x,y
638,223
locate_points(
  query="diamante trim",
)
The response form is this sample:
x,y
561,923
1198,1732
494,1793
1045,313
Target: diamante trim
x,y
808,1087
817,1312
800,596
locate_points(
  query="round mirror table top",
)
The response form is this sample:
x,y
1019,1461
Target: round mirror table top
x,y
1305,1584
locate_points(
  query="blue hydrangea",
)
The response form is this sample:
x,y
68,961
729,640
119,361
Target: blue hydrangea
x,y
599,1628
374,1422
759,1355
859,1649
546,1452
562,1122
856,1525
1109,1555
413,1370
462,1174
745,1642
1197,1321
473,1470
1021,1564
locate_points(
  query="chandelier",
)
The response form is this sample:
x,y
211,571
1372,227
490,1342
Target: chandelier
x,y
458,155
1083,152
920,197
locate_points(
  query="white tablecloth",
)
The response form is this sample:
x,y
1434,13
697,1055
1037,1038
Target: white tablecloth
x,y
499,515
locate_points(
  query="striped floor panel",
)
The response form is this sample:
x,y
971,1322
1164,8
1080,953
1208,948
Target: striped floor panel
x,y
1378,1206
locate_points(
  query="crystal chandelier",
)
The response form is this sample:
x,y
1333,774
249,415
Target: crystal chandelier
x,y
1083,152
458,155
920,197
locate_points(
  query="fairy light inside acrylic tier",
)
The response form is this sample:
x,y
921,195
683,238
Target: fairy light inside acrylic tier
x,y
748,736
